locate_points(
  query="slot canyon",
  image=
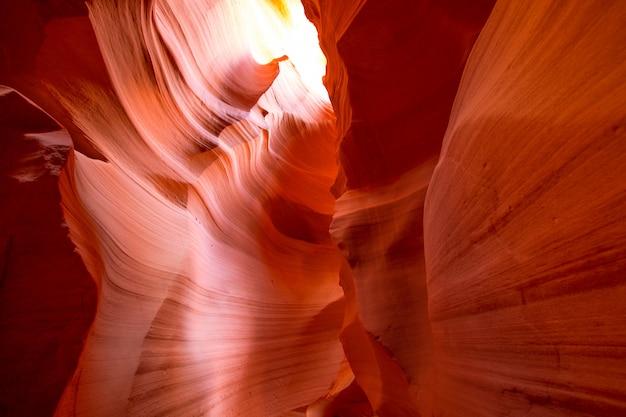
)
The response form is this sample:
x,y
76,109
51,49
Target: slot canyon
x,y
313,208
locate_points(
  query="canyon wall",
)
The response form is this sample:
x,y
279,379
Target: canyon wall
x,y
524,219
313,209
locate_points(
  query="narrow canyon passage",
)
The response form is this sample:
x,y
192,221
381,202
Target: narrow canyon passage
x,y
311,208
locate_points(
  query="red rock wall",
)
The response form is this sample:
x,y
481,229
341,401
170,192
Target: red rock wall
x,y
405,246
47,299
524,219
387,158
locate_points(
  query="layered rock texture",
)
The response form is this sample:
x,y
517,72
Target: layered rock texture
x,y
316,208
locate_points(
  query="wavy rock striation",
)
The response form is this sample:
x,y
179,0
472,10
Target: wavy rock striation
x,y
313,208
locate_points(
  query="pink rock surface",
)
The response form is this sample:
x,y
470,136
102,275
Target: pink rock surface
x,y
279,222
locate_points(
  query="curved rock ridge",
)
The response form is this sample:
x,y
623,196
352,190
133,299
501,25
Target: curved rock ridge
x,y
221,283
312,208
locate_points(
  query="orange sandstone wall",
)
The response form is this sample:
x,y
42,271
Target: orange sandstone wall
x,y
404,65
524,219
388,243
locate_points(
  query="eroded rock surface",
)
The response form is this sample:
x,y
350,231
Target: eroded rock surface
x,y
276,221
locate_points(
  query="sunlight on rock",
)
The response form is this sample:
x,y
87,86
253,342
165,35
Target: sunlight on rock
x,y
312,208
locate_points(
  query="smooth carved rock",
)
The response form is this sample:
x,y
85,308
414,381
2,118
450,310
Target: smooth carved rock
x,y
524,219
279,222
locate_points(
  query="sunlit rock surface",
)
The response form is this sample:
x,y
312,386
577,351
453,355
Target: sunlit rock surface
x,y
400,214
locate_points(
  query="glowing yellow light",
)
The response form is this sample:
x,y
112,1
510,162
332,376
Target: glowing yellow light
x,y
284,30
